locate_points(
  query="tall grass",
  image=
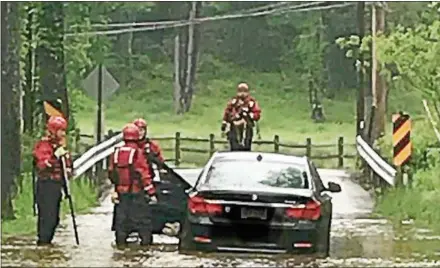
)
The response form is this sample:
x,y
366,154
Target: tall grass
x,y
419,203
84,197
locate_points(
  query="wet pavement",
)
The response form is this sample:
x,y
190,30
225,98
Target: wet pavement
x,y
357,240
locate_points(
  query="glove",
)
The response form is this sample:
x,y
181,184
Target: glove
x,y
153,200
247,115
114,196
48,164
223,128
60,152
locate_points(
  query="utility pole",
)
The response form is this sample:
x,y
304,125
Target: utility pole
x,y
177,87
378,82
360,107
190,49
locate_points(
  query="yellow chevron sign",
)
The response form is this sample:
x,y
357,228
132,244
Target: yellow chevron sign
x,y
401,139
50,110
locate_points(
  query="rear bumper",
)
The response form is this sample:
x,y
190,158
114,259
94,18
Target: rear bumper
x,y
300,238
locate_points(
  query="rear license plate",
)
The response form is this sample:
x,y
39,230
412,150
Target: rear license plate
x,y
256,213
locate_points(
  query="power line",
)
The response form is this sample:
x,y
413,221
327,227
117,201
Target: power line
x,y
152,26
168,22
261,8
133,24
279,11
319,8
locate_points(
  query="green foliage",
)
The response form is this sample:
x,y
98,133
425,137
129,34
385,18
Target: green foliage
x,y
283,43
354,49
410,55
418,202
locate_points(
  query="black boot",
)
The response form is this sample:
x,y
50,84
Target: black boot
x,y
43,243
121,238
146,238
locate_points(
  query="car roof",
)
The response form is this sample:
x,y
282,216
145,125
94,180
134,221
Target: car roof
x,y
276,157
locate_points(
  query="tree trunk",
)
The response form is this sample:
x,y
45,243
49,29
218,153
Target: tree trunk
x,y
360,104
195,55
29,98
177,89
11,94
378,81
123,46
189,59
50,54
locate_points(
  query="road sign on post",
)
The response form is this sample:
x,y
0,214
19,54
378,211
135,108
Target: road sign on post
x,y
401,138
100,85
54,108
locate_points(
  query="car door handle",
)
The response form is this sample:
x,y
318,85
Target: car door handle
x,y
165,192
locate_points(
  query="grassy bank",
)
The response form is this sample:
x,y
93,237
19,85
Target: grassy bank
x,y
283,98
418,202
285,106
84,198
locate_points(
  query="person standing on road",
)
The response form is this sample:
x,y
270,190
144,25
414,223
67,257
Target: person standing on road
x,y
151,148
47,155
133,191
241,114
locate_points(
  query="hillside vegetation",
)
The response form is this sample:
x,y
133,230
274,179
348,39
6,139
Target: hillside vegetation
x,y
284,100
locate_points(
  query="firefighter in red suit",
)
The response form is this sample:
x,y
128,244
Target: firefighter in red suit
x,y
47,155
133,191
151,148
240,114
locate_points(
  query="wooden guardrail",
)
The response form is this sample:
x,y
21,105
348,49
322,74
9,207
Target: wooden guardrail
x,y
207,146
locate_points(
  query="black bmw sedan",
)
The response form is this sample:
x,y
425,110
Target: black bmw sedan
x,y
257,202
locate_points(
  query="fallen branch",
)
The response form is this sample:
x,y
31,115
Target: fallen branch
x,y
433,123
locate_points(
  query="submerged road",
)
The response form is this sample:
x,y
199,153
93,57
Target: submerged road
x,y
357,240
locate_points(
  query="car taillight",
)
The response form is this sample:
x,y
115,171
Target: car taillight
x,y
310,211
198,205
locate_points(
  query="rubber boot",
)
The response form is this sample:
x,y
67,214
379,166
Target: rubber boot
x,y
146,238
121,238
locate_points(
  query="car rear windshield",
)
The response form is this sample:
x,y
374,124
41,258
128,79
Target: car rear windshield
x,y
257,173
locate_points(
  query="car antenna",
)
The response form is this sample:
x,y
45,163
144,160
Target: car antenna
x,y
259,157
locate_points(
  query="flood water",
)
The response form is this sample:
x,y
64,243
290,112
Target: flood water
x,y
357,240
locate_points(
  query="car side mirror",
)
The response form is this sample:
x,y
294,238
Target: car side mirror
x,y
333,187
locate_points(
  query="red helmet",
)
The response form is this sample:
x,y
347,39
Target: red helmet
x,y
56,123
130,132
243,87
140,123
